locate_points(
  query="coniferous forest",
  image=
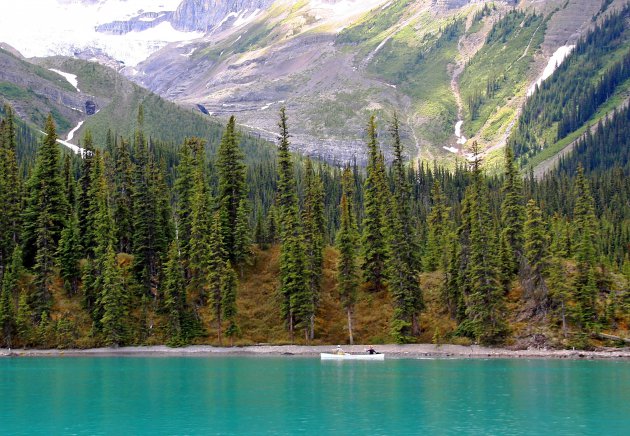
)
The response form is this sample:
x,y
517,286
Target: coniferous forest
x,y
135,243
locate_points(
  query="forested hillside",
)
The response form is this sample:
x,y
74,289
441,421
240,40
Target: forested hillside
x,y
132,244
593,80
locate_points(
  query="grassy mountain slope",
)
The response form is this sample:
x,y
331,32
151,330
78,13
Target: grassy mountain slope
x,y
34,91
163,119
499,71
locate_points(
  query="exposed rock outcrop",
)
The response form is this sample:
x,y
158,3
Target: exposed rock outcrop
x,y
203,15
144,21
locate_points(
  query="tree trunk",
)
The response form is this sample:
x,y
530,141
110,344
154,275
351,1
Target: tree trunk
x,y
219,330
350,327
415,325
564,321
291,326
312,329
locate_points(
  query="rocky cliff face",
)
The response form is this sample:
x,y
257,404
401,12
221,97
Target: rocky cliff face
x,y
190,16
203,15
142,22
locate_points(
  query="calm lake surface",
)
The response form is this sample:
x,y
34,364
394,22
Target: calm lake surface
x,y
289,395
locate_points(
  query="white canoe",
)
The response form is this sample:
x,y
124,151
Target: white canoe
x,y
331,356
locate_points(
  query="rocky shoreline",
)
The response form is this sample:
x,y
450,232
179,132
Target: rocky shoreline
x,y
411,351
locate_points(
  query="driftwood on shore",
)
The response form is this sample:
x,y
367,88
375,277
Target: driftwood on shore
x,y
612,337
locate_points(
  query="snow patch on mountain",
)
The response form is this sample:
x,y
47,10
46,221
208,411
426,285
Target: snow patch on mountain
x,y
554,62
71,78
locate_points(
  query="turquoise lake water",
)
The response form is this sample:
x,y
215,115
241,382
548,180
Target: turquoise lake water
x,y
296,395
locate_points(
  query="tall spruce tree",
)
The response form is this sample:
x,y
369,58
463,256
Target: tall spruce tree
x,y
8,291
69,256
121,198
585,225
201,232
10,189
191,161
435,256
314,228
174,294
147,240
232,188
347,241
485,310
83,203
102,232
24,320
296,302
164,228
215,266
242,248
402,271
229,284
512,219
536,250
374,230
45,217
113,301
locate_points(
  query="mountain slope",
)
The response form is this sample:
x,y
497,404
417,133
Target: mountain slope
x,y
100,100
333,63
456,71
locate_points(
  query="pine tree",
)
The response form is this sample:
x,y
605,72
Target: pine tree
x,y
314,228
83,204
232,188
191,161
146,242
484,303
24,320
10,189
102,236
174,294
374,240
7,291
536,250
70,186
122,213
436,250
113,301
452,295
260,234
585,224
164,229
242,249
402,272
215,266
69,256
347,238
272,226
512,219
229,286
296,304
45,215
200,233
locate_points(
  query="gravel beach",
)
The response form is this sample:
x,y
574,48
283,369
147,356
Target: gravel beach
x,y
411,351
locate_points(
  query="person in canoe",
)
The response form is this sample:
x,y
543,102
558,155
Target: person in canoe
x,y
338,350
370,350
